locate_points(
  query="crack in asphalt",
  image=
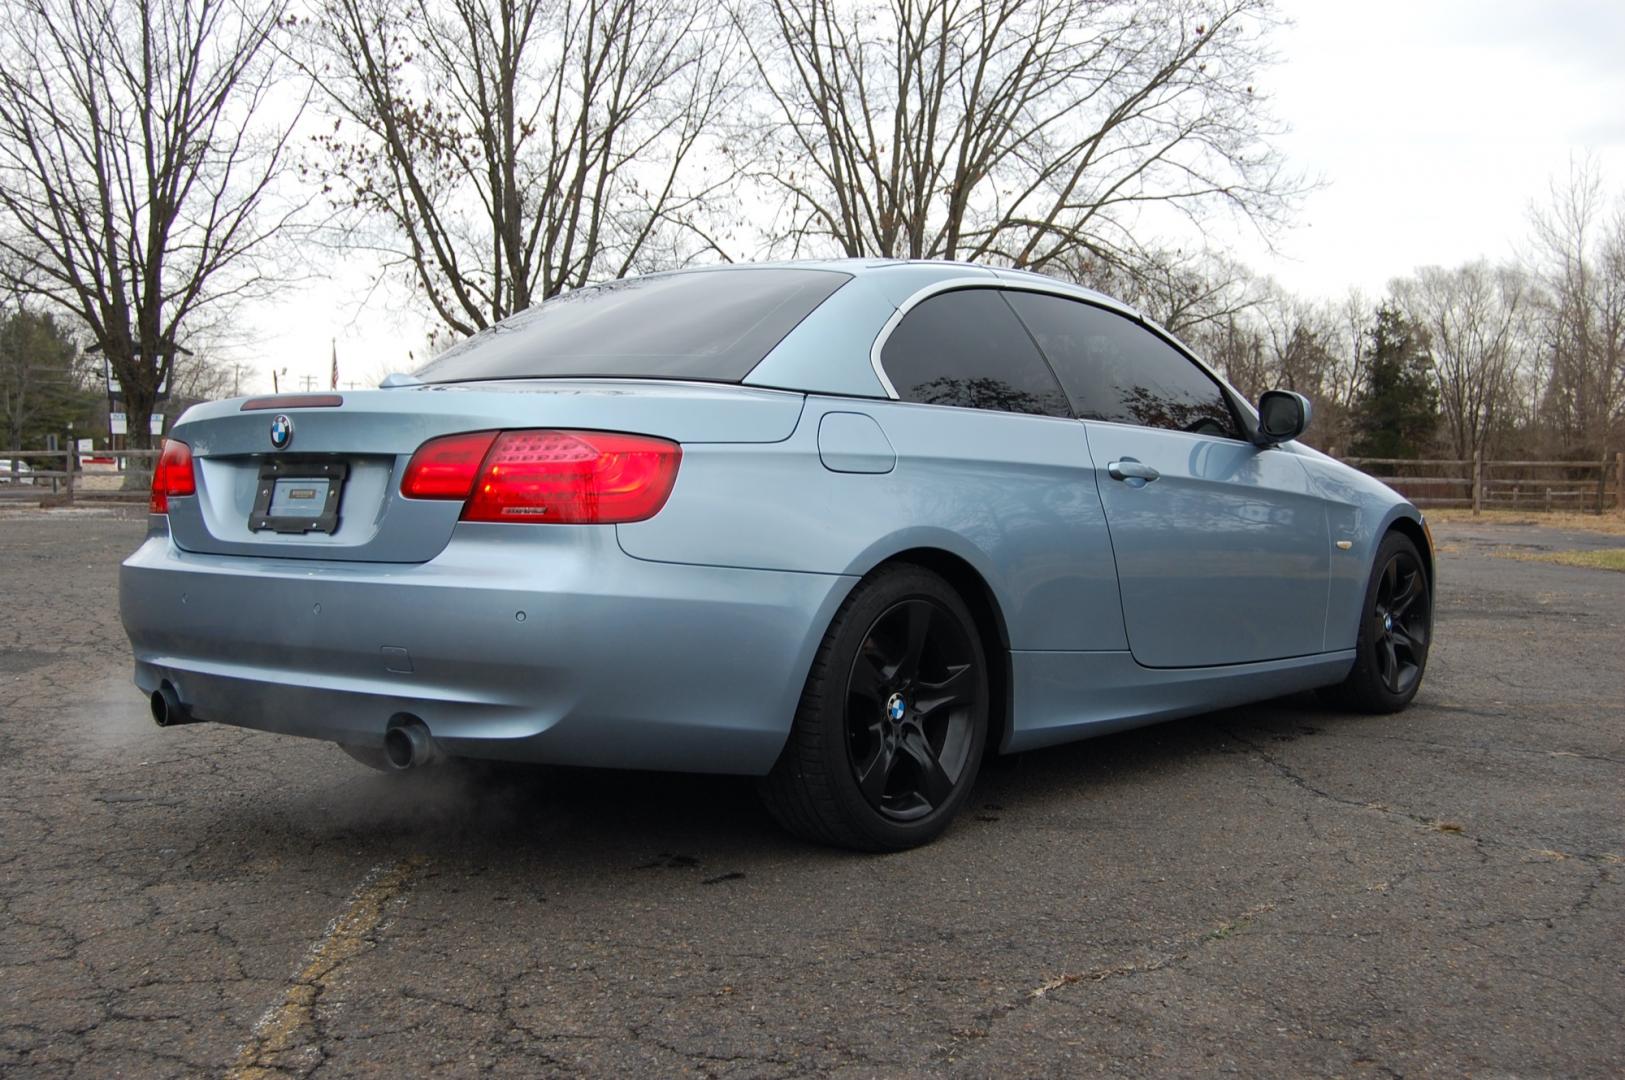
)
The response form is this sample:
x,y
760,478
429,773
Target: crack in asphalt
x,y
277,1046
1158,962
1182,949
1422,821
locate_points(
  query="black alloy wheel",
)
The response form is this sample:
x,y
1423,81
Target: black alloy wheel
x,y
909,698
1396,629
1399,622
888,737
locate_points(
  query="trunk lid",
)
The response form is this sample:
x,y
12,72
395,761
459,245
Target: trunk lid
x,y
359,450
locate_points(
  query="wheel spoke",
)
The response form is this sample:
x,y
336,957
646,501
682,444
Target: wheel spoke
x,y
867,680
935,785
873,774
1417,631
1390,582
1412,640
1390,674
1408,595
919,616
953,691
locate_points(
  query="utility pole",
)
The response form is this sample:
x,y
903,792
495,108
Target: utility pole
x,y
307,382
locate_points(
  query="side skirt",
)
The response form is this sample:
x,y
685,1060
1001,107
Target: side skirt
x,y
1063,696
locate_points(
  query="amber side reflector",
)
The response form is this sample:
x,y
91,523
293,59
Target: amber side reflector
x,y
294,401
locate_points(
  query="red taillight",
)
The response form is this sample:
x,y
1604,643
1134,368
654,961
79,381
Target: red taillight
x,y
446,468
557,477
172,476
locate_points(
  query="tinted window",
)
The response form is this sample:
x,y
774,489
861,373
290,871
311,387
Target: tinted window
x,y
967,348
713,325
1115,369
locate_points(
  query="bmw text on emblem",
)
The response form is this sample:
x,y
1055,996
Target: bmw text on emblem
x,y
281,432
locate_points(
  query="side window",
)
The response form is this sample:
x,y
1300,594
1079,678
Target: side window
x,y
1115,369
967,348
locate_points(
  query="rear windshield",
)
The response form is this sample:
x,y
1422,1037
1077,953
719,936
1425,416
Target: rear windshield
x,y
712,325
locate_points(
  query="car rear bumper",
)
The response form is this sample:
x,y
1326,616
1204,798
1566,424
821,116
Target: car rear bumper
x,y
532,644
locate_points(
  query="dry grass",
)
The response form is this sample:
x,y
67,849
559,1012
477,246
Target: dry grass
x,y
1600,559
1612,524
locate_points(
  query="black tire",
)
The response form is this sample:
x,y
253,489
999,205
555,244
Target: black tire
x,y
874,762
1396,629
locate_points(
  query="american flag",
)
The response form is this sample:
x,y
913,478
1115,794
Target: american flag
x,y
335,382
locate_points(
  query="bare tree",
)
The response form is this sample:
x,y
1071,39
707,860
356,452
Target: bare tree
x,y
136,167
1354,317
503,150
1284,341
201,375
1185,293
1580,263
1024,131
1235,348
1476,318
1297,335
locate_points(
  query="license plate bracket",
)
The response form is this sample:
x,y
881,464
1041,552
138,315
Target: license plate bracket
x,y
298,495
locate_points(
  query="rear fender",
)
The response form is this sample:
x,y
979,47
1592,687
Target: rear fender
x,y
997,490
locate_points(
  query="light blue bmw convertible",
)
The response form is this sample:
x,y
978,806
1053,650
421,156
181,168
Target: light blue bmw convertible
x,y
843,526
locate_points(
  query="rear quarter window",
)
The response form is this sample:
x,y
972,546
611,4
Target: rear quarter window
x,y
966,348
708,325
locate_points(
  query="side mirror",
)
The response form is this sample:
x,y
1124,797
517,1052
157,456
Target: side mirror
x,y
1282,416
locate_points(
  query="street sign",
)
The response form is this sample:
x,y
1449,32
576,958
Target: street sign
x,y
118,423
115,390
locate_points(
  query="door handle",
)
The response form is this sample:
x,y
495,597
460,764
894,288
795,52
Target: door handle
x,y
1129,469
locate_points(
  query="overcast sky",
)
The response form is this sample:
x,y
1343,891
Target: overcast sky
x,y
1433,125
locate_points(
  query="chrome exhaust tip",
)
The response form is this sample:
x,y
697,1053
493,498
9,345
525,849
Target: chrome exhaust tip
x,y
409,746
167,710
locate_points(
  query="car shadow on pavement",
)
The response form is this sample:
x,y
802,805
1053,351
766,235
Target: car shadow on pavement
x,y
487,811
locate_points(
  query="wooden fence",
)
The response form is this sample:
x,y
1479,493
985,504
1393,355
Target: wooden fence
x,y
1596,487
1589,487
55,477
33,474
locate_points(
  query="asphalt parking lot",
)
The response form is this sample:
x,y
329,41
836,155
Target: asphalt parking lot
x,y
1268,890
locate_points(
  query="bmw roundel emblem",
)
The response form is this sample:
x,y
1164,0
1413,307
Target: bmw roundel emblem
x,y
896,708
281,432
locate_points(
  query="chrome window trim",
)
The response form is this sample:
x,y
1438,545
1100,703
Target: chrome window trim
x,y
880,342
